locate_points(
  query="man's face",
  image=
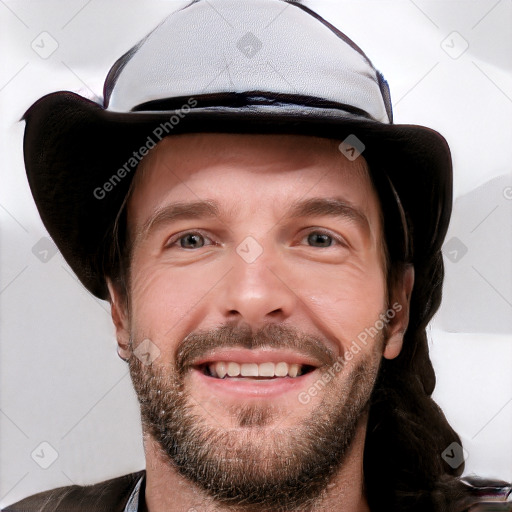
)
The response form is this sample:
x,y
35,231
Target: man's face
x,y
257,263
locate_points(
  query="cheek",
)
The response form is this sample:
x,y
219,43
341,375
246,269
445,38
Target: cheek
x,y
152,306
166,303
345,300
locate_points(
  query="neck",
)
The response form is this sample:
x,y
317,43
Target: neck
x,y
168,491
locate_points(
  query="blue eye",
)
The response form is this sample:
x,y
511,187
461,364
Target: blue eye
x,y
323,239
319,239
192,241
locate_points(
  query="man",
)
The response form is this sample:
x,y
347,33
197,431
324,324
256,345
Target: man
x,y
270,244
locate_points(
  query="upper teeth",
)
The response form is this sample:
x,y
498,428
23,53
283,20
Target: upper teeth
x,y
232,369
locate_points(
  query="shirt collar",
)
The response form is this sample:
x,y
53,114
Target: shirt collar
x,y
133,502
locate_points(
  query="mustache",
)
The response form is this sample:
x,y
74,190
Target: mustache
x,y
276,336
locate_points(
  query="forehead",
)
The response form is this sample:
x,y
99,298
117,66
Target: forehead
x,y
237,169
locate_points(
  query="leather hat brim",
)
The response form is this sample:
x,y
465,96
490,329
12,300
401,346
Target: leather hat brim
x,y
73,146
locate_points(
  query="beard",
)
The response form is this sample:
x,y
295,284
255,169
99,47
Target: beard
x,y
258,465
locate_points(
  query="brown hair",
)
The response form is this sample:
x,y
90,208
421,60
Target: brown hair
x,y
407,431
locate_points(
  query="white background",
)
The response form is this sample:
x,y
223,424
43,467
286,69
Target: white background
x,y
61,380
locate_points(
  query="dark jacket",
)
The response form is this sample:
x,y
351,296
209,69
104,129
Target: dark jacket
x,y
112,496
109,496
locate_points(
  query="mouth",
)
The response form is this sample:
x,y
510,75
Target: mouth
x,y
236,375
254,371
239,374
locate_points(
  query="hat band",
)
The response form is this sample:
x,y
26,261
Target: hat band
x,y
248,99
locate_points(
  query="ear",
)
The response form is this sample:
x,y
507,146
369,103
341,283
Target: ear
x,y
119,314
400,304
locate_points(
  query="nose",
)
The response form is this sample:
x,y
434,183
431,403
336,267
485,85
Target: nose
x,y
257,292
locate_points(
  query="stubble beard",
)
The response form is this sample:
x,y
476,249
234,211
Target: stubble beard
x,y
258,466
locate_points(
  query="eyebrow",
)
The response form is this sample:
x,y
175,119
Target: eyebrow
x,y
328,207
177,211
313,207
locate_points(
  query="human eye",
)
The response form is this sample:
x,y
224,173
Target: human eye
x,y
322,239
189,240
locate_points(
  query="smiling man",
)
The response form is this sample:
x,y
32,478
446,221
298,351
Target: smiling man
x,y
270,244
250,334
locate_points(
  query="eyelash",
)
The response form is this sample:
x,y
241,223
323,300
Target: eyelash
x,y
336,239
176,238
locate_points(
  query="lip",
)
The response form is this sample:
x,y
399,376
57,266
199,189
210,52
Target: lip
x,y
246,388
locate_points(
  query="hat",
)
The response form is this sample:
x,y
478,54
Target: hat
x,y
230,66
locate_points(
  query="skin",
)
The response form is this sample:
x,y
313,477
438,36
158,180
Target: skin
x,y
332,293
